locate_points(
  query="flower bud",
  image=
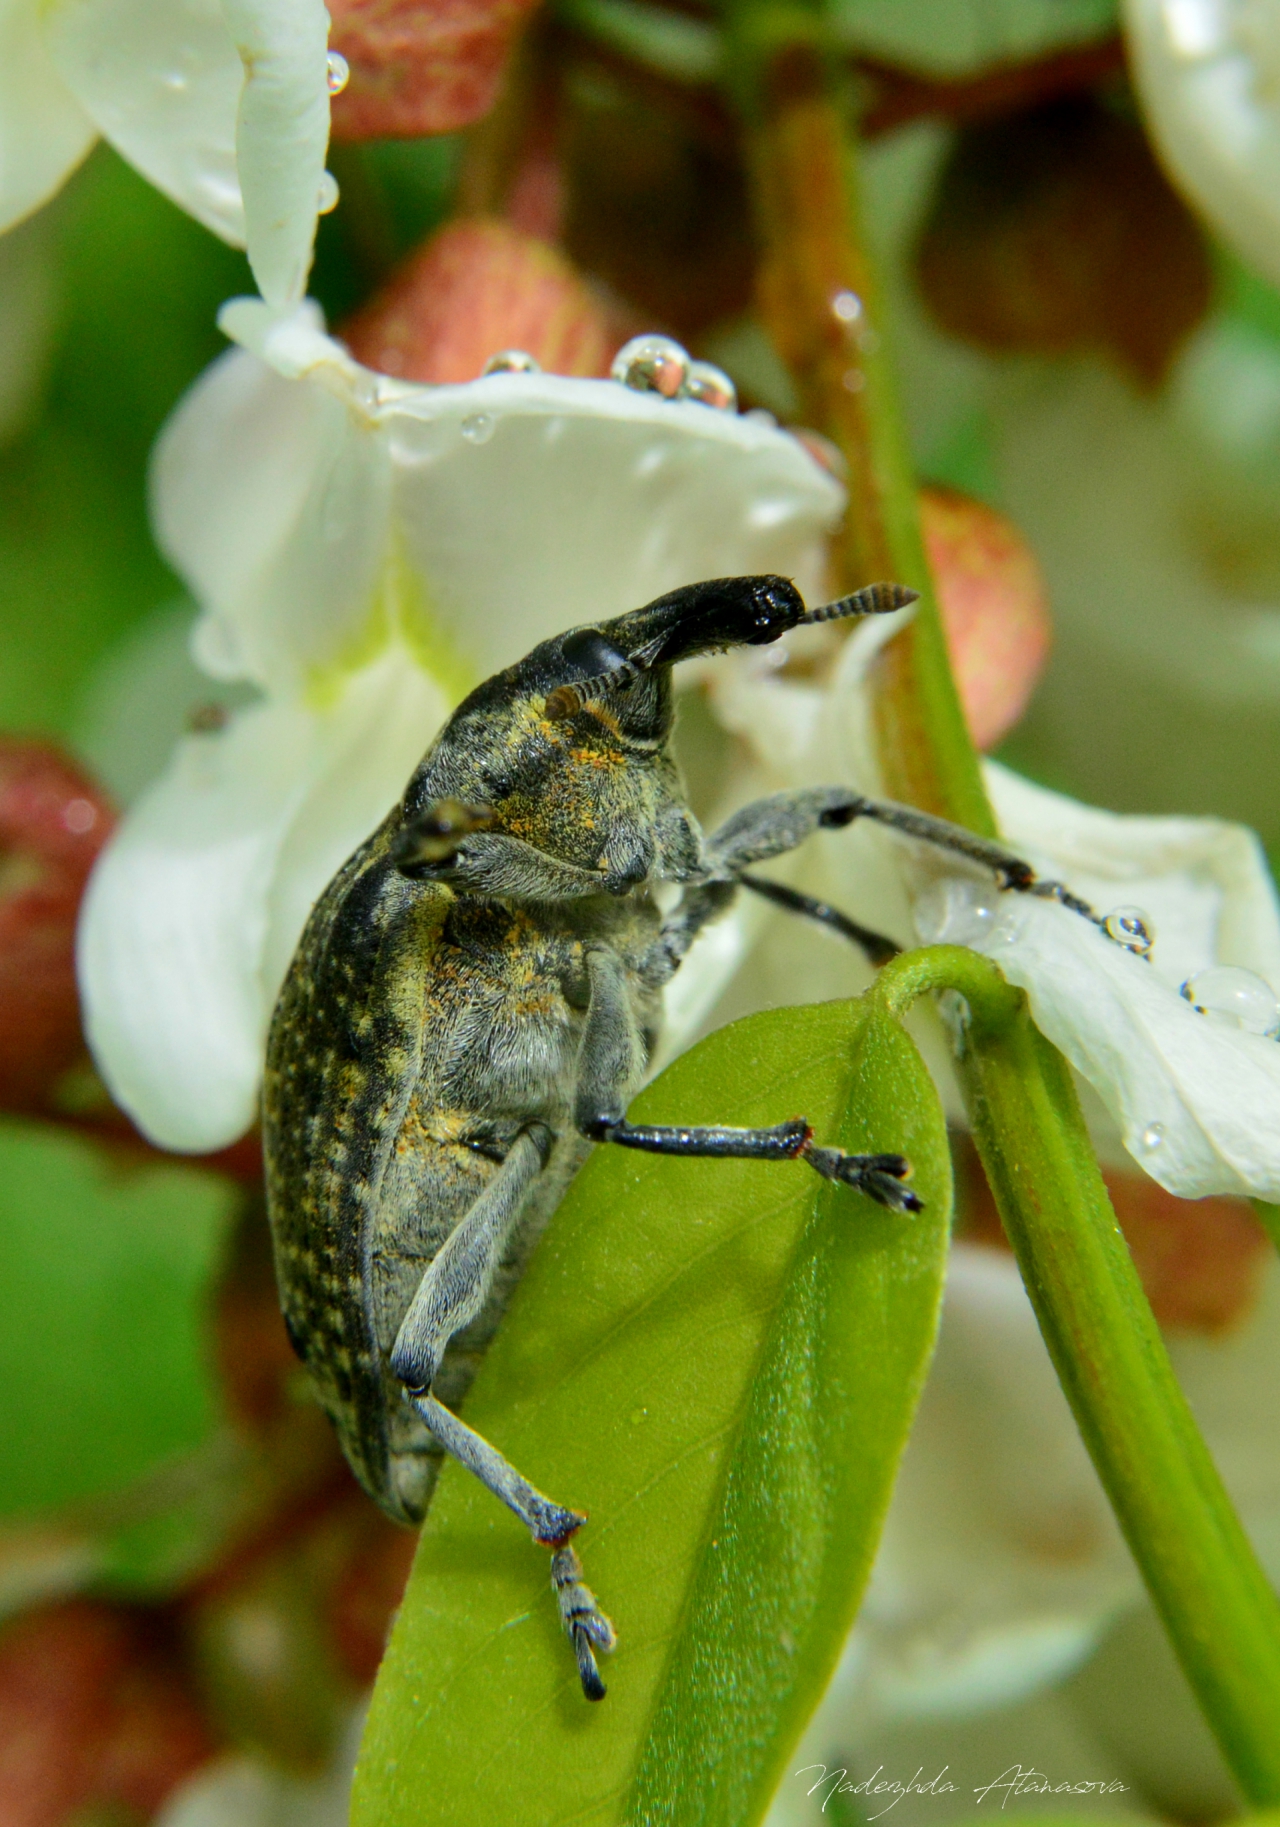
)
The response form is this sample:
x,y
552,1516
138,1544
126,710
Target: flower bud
x,y
475,289
53,822
993,606
419,66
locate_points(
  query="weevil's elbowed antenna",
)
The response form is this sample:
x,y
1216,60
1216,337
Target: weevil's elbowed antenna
x,y
874,599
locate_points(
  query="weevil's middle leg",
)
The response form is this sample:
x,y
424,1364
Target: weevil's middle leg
x,y
608,1067
451,1293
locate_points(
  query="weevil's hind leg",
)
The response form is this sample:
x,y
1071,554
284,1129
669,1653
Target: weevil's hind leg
x,y
608,1067
452,1292
549,1523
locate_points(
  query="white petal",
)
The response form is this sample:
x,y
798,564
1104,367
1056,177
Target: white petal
x,y
1206,74
518,505
195,907
274,502
160,79
44,132
282,134
1000,1562
1197,1103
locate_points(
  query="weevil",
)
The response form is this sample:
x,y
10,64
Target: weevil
x,y
473,1003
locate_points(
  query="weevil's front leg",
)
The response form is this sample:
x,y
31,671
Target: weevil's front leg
x,y
607,1071
450,842
770,827
451,1293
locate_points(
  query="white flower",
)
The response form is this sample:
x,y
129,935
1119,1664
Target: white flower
x,y
364,551
1001,1566
222,104
1195,1096
1207,73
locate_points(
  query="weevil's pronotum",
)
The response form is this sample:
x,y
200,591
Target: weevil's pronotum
x,y
473,1003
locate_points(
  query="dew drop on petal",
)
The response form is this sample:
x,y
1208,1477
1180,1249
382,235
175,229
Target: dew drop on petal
x,y
512,361
1236,998
327,195
954,912
337,72
1131,928
652,364
846,307
175,81
711,386
478,427
1152,1137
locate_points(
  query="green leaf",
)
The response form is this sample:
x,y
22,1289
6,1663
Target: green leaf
x,y
103,1320
720,1362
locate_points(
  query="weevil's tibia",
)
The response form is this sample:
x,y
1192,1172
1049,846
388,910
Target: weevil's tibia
x,y
878,948
549,1523
880,1177
585,1625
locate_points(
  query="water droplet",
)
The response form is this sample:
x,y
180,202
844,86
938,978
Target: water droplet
x,y
478,428
338,72
1131,928
652,364
711,386
1152,1137
638,1415
955,912
1235,998
327,195
175,81
512,361
79,816
846,307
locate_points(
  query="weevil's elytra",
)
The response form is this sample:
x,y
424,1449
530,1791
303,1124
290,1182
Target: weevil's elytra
x,y
473,1003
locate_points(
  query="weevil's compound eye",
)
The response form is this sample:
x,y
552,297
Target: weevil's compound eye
x,y
435,834
587,654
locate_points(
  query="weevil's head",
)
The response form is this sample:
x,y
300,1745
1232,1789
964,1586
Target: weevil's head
x,y
567,749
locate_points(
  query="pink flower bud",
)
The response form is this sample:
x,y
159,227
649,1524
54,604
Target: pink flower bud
x,y
419,66
993,607
477,288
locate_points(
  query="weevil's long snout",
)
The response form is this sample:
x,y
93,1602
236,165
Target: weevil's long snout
x,y
734,612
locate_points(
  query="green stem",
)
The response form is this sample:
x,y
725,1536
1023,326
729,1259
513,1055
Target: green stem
x,y
1200,1569
1268,1217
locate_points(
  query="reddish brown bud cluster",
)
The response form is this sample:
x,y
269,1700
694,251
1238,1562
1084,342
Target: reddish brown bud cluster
x,y
419,66
53,822
94,1714
473,289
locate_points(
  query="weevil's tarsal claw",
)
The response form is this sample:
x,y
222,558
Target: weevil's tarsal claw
x,y
875,599
586,1626
880,1177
